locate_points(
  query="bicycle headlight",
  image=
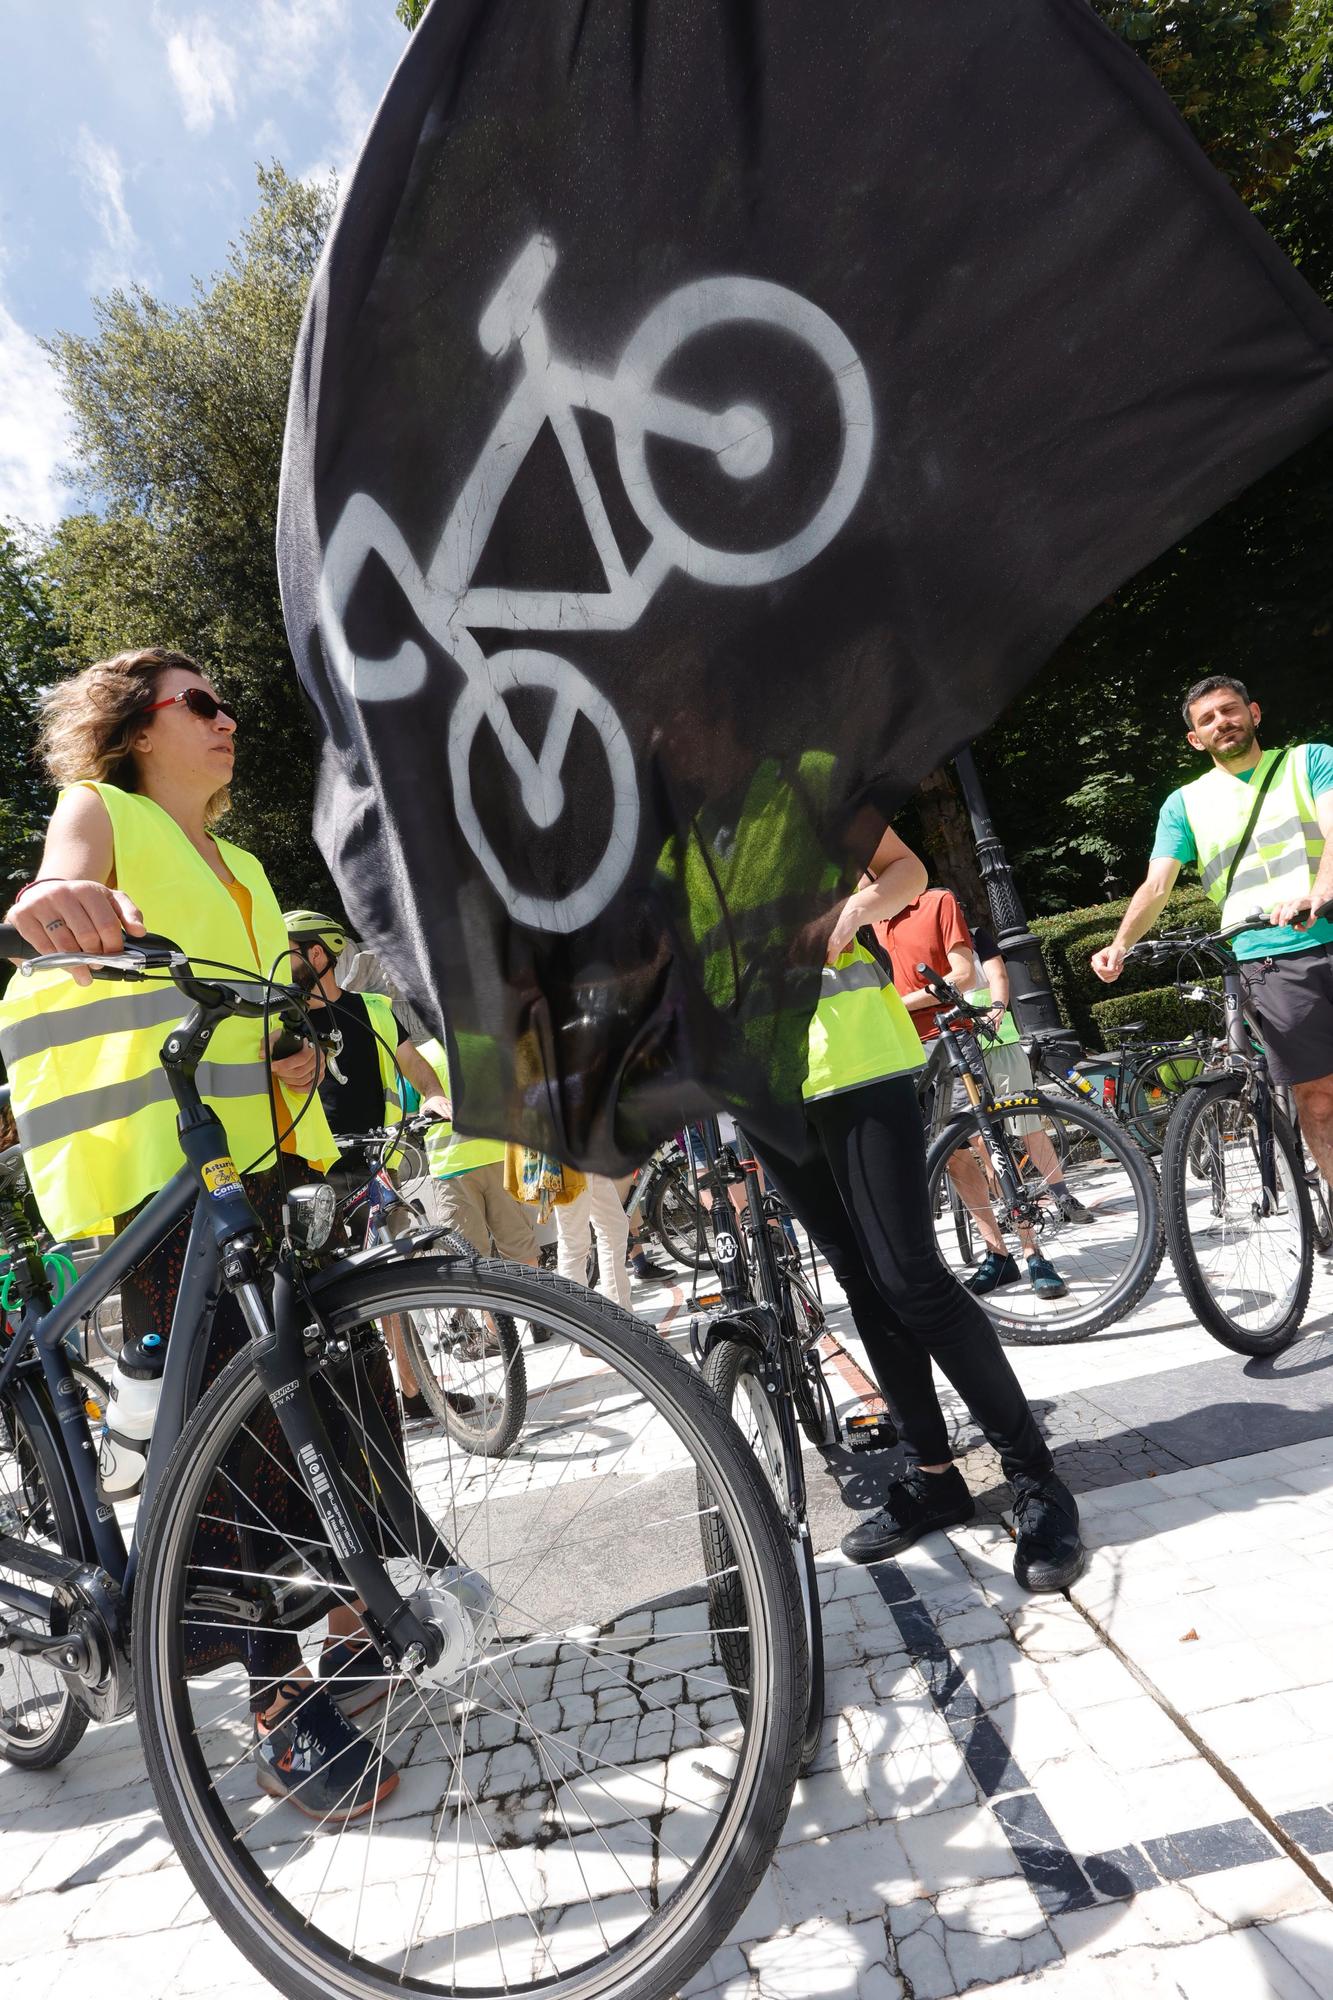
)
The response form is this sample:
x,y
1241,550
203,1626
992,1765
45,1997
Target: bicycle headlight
x,y
310,1216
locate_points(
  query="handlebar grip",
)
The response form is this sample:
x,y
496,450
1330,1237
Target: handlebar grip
x,y
14,945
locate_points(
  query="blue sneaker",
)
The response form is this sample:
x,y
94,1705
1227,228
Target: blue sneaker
x,y
993,1271
1046,1280
312,1757
351,1671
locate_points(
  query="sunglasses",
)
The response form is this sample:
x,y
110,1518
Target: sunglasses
x,y
198,701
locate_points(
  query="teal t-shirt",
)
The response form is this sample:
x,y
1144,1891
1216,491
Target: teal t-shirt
x,y
1175,841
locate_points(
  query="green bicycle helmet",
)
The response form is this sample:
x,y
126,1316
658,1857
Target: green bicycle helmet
x,y
312,927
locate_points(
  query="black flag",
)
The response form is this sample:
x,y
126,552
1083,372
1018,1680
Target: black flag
x,y
708,414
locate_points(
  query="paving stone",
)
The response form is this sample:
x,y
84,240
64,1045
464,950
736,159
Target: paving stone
x,y
1311,1829
1206,1849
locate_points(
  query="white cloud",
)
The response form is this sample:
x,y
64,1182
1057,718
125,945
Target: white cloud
x,y
35,434
204,70
286,44
121,254
351,113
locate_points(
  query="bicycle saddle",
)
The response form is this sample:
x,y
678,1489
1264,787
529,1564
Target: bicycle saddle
x,y
1128,1028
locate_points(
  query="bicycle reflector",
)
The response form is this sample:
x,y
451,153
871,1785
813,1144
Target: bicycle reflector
x,y
310,1213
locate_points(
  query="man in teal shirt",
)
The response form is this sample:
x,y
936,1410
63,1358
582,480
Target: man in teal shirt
x,y
1278,860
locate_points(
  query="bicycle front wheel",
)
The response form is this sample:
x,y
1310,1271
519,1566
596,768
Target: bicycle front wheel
x,y
1091,1215
583,1803
1153,1091
736,1372
1244,1254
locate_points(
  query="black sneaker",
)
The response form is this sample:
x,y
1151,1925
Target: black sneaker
x,y
993,1270
1072,1209
1050,1553
916,1505
352,1672
313,1757
648,1273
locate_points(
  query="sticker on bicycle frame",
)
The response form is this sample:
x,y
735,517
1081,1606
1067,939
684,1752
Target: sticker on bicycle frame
x,y
1020,1103
220,1177
345,1540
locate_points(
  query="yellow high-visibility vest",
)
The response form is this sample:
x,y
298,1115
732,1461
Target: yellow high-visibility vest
x,y
1285,849
447,1151
860,1031
95,1113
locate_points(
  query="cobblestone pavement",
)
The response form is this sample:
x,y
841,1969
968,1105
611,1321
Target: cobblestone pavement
x,y
1128,1791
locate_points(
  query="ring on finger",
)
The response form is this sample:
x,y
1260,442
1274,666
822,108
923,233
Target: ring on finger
x,y
57,924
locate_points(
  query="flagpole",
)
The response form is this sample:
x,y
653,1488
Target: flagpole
x,y
1032,1002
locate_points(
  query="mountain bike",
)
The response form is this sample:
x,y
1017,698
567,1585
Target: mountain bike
x,y
469,1366
1024,1172
551,391
574,1799
760,1352
1239,1223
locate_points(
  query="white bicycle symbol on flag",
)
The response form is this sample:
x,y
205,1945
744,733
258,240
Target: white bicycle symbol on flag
x,y
448,605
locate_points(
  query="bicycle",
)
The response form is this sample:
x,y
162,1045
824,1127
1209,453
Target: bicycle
x,y
760,1354
1021,1166
583,1801
451,607
1142,1080
468,1366
1234,1179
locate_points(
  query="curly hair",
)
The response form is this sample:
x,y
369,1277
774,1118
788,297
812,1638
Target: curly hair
x,y
89,721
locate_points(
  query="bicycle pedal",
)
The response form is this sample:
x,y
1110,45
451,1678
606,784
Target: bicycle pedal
x,y
871,1430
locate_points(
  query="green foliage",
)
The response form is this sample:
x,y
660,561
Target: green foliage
x,y
31,636
409,12
179,416
1069,940
1162,1010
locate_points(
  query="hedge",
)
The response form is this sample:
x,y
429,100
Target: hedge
x,y
1068,942
1161,1009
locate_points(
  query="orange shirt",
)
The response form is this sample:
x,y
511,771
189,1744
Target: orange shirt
x,y
922,935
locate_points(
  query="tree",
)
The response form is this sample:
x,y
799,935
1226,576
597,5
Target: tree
x,y
409,12
31,638
1251,591
179,416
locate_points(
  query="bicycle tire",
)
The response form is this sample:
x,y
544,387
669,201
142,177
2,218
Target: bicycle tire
x,y
1185,1157
492,1429
30,1450
728,1365
676,1219
684,1924
1321,1213
1102,1138
1143,1115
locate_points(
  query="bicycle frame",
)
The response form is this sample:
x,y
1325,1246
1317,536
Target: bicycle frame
x,y
223,1248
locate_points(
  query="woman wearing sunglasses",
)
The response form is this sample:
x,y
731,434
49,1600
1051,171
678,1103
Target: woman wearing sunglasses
x,y
143,750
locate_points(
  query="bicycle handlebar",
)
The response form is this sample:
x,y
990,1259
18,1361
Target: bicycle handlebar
x,y
140,958
1171,943
948,995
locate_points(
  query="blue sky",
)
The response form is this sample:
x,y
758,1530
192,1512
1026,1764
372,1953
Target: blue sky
x,y
129,132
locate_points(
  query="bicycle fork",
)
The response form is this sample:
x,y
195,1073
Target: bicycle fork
x,y
282,1364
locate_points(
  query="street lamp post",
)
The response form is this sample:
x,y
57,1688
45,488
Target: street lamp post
x,y
1031,1000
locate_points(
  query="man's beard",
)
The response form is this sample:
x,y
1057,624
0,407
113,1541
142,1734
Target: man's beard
x,y
1238,746
304,976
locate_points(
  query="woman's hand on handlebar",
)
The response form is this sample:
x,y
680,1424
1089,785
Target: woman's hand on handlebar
x,y
75,916
436,1107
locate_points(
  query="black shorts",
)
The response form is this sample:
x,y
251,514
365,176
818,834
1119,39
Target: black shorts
x,y
1291,1001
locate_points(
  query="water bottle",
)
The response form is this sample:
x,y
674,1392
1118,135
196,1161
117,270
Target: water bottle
x,y
136,1388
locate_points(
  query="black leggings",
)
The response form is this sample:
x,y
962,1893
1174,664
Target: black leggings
x,y
862,1199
